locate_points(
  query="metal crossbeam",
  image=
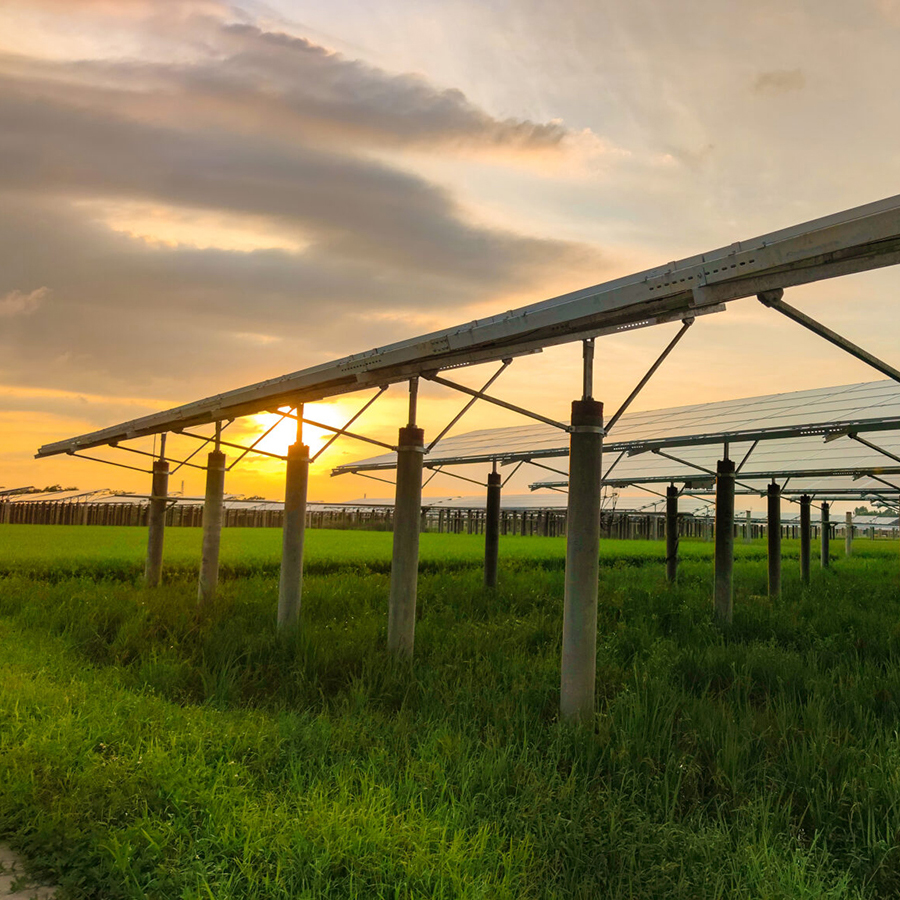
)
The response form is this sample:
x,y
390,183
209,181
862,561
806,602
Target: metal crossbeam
x,y
349,422
469,405
480,395
875,447
218,440
253,446
746,457
344,432
109,462
650,372
773,300
193,453
460,477
154,456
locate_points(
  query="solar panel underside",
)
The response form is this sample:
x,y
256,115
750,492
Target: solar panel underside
x,y
695,435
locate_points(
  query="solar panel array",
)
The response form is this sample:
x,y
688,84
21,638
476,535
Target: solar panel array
x,y
641,446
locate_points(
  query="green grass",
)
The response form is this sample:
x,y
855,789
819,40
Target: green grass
x,y
149,751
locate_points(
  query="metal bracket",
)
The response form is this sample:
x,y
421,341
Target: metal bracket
x,y
373,477
350,421
460,477
480,395
773,300
531,462
343,431
218,440
516,468
192,454
615,463
875,447
469,405
181,463
746,457
686,323
252,447
108,462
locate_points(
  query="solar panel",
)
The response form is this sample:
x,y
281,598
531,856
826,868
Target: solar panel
x,y
855,240
790,428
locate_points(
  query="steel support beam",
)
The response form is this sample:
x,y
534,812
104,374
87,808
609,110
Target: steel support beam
x,y
579,641
724,581
825,534
650,373
480,395
213,508
773,300
156,522
293,534
492,530
773,519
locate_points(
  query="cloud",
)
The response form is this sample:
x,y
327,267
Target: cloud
x,y
779,81
18,303
251,80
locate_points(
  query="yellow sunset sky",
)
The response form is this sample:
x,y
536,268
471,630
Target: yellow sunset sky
x,y
198,195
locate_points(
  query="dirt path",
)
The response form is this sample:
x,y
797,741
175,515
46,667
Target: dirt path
x,y
14,885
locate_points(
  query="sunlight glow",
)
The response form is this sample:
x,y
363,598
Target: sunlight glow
x,y
285,433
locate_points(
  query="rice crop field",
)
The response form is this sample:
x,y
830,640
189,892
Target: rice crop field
x,y
151,751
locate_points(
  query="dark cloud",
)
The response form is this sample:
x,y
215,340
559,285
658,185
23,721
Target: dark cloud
x,y
780,81
265,129
247,79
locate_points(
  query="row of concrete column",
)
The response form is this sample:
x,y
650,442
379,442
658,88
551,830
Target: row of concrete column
x,y
724,546
579,639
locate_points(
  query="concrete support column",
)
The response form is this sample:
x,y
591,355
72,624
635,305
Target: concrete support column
x,y
579,641
212,527
848,534
290,585
156,522
671,532
805,537
825,536
405,559
724,597
774,538
492,530
748,527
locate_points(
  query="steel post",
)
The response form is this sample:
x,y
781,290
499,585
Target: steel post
x,y
405,559
773,529
805,537
579,642
724,541
290,585
492,530
825,536
156,522
671,532
848,534
212,527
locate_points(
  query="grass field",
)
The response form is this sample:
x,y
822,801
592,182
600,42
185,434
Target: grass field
x,y
148,751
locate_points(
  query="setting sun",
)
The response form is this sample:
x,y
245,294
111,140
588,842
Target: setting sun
x,y
284,432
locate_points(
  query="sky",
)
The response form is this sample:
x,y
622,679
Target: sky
x,y
198,195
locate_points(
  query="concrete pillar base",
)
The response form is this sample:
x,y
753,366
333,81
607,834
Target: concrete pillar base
x,y
290,585
405,559
156,522
213,509
579,641
492,530
724,551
